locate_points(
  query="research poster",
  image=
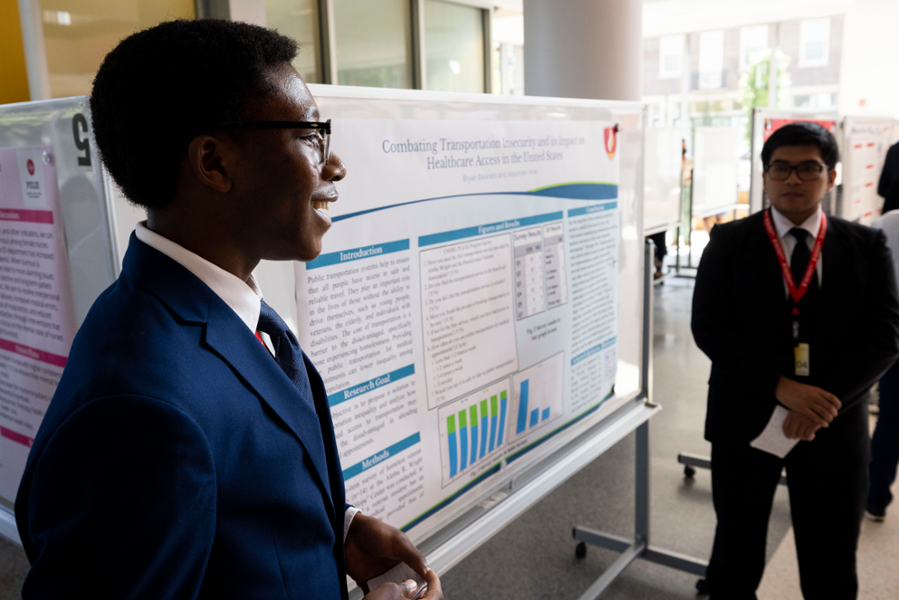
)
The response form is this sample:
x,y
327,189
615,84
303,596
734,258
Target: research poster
x,y
864,151
464,309
37,321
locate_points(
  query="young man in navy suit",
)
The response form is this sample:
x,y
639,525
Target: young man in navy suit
x,y
799,313
189,451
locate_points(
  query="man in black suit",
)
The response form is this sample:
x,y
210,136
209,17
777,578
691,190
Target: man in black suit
x,y
800,311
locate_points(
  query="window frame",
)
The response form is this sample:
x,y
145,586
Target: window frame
x,y
709,76
804,33
746,35
671,41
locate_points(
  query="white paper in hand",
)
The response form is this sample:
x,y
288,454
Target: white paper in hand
x,y
398,574
772,439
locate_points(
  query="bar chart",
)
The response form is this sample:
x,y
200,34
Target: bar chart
x,y
536,396
472,430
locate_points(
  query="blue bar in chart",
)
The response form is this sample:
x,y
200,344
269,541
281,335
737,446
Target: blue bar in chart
x,y
522,408
485,434
473,413
535,414
463,451
494,417
545,415
451,440
502,416
463,441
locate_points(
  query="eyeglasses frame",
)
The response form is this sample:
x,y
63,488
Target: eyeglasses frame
x,y
323,127
822,168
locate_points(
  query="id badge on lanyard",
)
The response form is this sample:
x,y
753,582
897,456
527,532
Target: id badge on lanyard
x,y
801,354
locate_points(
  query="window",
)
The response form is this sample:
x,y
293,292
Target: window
x,y
373,39
454,44
671,56
299,19
507,36
711,59
753,45
827,100
814,42
78,34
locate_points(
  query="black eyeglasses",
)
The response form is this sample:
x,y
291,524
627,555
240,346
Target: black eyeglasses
x,y
321,128
807,171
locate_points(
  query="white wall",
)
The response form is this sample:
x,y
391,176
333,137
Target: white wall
x,y
870,63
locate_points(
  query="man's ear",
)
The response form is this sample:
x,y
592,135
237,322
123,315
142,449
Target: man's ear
x,y
831,179
207,161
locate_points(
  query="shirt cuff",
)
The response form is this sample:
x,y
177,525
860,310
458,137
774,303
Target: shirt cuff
x,y
351,512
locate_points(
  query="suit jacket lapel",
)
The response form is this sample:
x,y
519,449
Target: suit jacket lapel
x,y
193,301
240,348
766,277
837,266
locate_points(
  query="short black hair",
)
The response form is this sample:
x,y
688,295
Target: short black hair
x,y
803,133
163,86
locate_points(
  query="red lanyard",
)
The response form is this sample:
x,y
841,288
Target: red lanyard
x,y
796,294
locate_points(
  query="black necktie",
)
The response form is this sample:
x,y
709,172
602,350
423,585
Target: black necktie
x,y
799,262
287,349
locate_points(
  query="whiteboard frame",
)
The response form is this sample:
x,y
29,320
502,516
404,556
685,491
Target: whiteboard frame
x,y
631,231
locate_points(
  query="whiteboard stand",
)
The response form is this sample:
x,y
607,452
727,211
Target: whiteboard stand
x,y
638,547
681,270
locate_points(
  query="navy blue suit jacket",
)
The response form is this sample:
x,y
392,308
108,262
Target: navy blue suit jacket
x,y
177,460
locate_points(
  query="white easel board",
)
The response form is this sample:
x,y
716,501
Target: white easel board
x,y
865,144
54,260
475,290
714,170
662,179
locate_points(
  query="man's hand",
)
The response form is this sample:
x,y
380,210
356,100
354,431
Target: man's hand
x,y
797,425
407,589
820,406
373,547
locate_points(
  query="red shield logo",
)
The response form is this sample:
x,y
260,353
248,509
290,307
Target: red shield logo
x,y
30,166
611,137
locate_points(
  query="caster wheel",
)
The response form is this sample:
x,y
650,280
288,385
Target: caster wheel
x,y
689,472
581,550
702,587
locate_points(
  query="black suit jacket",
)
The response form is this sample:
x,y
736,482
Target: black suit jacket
x,y
741,320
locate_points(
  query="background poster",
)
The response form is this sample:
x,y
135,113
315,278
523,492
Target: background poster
x,y
37,320
865,144
465,307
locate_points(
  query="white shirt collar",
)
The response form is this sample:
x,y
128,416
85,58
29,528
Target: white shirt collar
x,y
243,298
783,225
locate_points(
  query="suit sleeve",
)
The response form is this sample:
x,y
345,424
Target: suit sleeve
x,y
715,329
878,340
122,504
890,172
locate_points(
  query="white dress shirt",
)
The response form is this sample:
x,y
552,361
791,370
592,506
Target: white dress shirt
x,y
243,297
783,226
